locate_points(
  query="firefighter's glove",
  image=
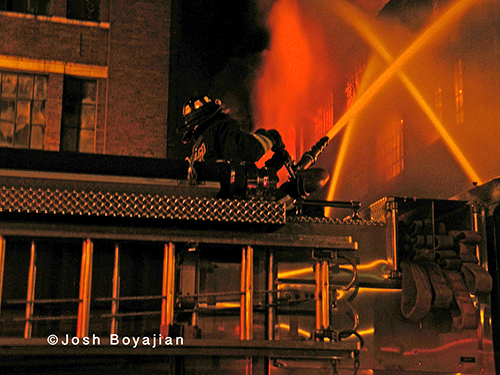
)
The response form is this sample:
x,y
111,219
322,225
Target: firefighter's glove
x,y
278,160
278,142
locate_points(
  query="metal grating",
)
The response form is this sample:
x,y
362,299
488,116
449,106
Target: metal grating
x,y
325,220
112,204
375,212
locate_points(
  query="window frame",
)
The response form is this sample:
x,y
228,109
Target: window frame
x,y
39,7
75,9
76,133
36,99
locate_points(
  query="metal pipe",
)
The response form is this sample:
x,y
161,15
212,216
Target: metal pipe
x,y
2,266
90,249
248,366
171,283
194,321
353,205
31,293
85,289
141,313
164,287
270,295
325,294
167,308
243,294
392,250
206,295
130,298
246,301
39,301
478,225
115,303
46,318
80,321
249,294
317,295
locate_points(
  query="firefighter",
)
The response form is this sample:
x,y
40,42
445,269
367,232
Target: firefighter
x,y
218,136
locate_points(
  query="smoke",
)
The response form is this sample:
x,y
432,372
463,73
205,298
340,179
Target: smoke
x,y
301,54
295,78
306,57
312,51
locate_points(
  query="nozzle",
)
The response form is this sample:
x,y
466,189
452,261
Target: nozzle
x,y
310,157
306,182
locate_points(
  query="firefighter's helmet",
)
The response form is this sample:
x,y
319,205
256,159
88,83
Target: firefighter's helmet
x,y
196,112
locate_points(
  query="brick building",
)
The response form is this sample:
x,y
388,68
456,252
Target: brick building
x,y
85,76
431,132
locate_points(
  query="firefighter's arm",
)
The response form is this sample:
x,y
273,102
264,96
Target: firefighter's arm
x,y
280,157
269,139
239,145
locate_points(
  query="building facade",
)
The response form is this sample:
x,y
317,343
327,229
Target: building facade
x,y
85,76
429,129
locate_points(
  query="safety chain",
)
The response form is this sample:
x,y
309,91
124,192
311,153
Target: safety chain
x,y
357,363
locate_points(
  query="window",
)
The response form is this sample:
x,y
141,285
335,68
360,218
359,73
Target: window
x,y
390,146
85,10
353,85
324,119
78,117
22,110
459,92
27,6
439,102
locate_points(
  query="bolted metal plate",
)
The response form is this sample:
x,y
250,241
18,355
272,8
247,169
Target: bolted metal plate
x,y
375,212
123,204
338,221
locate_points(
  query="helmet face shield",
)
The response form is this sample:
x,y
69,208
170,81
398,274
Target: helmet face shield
x,y
196,112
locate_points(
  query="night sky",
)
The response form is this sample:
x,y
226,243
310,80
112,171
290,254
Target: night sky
x,y
218,46
213,36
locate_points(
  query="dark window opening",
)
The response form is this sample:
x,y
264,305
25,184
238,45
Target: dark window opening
x,y
42,7
85,10
78,117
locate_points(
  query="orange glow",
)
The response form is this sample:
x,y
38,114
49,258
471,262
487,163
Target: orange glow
x,y
435,30
227,305
300,331
297,272
368,266
342,293
354,16
440,348
51,66
310,270
368,331
293,77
